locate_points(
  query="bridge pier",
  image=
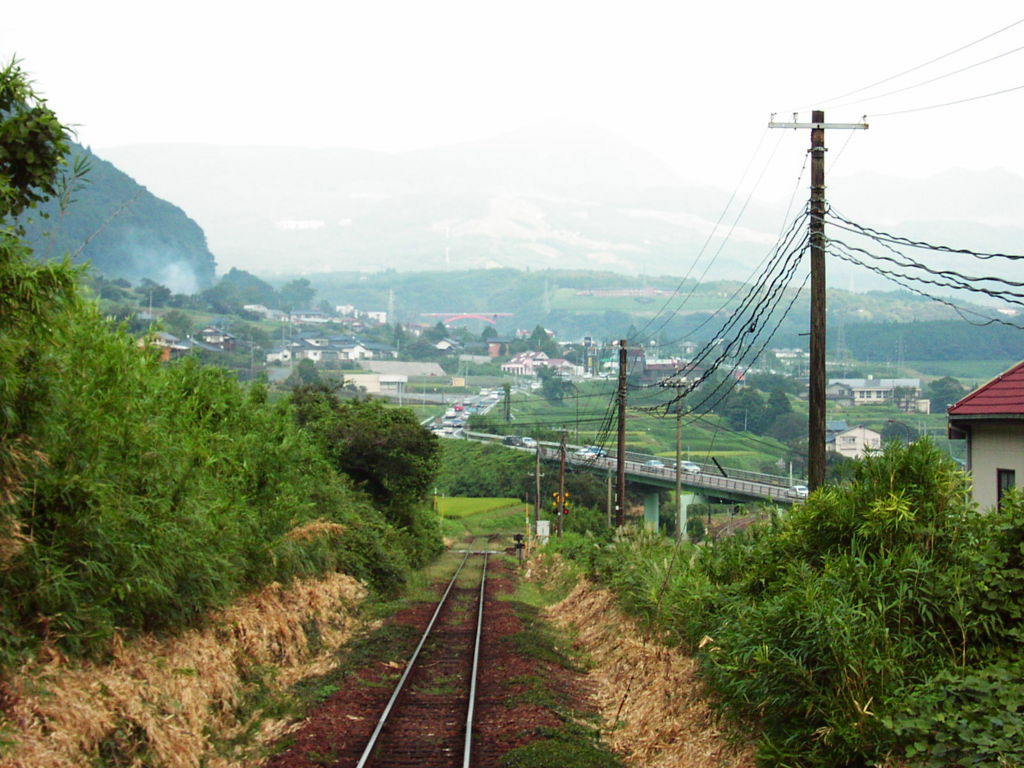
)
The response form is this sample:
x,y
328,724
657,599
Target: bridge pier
x,y
685,500
652,509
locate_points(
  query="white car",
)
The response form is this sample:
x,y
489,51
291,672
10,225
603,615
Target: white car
x,y
689,467
529,442
798,492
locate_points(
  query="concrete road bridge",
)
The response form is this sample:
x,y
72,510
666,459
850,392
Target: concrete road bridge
x,y
712,484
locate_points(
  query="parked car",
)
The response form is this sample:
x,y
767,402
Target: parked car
x,y
797,491
689,467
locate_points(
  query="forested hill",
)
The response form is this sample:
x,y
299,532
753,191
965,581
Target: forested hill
x,y
110,220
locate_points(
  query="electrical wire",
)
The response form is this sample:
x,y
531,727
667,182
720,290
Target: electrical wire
x,y
832,216
942,278
948,103
721,245
714,229
753,306
706,403
930,81
925,64
900,280
756,271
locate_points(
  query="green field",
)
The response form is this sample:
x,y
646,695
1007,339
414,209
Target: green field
x,y
570,300
458,508
461,516
971,373
585,417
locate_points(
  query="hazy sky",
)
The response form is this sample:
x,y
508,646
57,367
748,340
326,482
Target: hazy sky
x,y
694,83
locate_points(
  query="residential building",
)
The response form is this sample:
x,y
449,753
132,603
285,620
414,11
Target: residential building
x,y
216,337
170,346
991,420
906,393
853,442
308,316
497,347
281,355
319,347
525,363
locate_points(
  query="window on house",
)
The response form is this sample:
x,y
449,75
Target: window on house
x,y
1005,481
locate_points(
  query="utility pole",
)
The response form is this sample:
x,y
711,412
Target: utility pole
x,y
681,532
576,392
561,483
536,492
620,458
608,507
816,232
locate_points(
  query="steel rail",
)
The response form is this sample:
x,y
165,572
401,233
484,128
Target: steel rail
x,y
476,665
408,668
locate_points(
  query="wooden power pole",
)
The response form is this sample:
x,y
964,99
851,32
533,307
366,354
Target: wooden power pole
x,y
816,231
536,493
620,458
561,483
681,532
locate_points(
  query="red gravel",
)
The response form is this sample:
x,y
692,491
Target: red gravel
x,y
336,732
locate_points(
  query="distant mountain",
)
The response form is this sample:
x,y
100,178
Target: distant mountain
x,y
531,199
535,199
123,230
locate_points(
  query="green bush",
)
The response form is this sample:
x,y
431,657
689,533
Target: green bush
x,y
880,618
161,491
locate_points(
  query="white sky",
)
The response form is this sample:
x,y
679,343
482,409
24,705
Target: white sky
x,y
693,82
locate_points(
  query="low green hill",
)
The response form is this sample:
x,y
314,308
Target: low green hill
x,y
121,228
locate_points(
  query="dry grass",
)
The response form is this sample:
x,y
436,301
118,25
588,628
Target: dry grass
x,y
654,707
163,697
12,541
313,529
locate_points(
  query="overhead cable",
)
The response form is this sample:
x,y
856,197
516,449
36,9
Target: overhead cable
x,y
925,64
948,103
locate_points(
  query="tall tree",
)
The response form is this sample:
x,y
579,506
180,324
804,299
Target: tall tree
x,y
33,144
944,392
33,298
296,294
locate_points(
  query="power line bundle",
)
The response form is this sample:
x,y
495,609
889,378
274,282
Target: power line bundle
x,y
911,274
743,336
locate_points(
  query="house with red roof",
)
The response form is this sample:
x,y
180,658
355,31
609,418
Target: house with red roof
x,y
991,420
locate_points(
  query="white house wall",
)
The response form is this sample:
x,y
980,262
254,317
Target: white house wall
x,y
996,445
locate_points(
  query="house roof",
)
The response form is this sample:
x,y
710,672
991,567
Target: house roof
x,y
1003,396
213,330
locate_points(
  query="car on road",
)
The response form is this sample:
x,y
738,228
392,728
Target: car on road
x,y
514,440
591,452
689,467
529,442
654,464
798,491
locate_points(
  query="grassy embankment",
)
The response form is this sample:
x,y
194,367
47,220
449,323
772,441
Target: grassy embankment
x,y
875,624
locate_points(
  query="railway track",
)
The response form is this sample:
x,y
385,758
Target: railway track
x,y
429,718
